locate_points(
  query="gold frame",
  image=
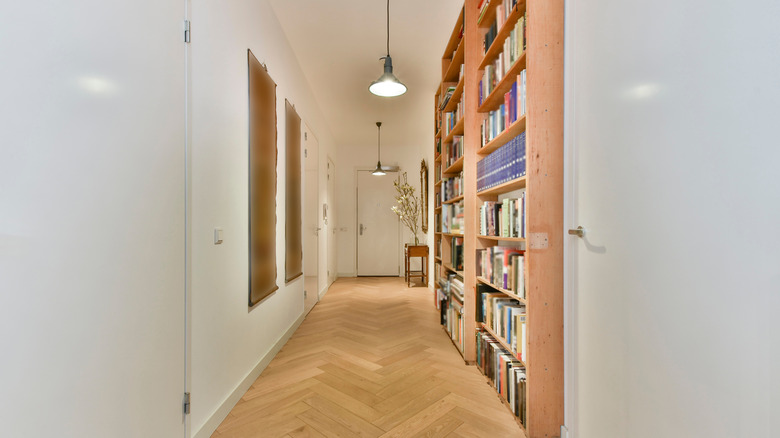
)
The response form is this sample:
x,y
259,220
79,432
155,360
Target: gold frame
x,y
424,196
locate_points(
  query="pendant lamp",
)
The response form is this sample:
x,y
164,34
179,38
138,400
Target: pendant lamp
x,y
378,171
387,85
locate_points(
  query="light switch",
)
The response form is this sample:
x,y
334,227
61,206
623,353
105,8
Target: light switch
x,y
217,236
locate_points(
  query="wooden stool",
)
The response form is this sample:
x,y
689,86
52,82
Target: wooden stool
x,y
416,251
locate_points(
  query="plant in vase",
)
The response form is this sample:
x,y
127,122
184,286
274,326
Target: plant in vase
x,y
407,206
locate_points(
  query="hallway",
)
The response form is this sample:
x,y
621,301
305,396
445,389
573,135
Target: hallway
x,y
370,360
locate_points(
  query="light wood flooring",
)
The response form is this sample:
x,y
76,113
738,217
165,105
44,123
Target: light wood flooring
x,y
370,360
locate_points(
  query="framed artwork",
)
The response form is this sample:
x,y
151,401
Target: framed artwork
x,y
424,195
293,218
262,181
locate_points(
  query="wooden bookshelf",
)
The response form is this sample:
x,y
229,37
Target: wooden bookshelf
x,y
507,292
509,186
501,238
496,97
497,46
452,62
542,124
455,168
500,340
456,130
452,105
511,132
453,200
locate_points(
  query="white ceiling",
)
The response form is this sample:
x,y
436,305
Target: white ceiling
x,y
338,44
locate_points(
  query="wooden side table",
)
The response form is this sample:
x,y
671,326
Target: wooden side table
x,y
416,251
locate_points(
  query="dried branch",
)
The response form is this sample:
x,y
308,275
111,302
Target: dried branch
x,y
408,206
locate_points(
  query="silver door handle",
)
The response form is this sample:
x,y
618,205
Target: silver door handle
x,y
579,232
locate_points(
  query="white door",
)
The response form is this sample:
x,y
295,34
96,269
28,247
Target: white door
x,y
674,289
331,231
311,217
378,228
92,218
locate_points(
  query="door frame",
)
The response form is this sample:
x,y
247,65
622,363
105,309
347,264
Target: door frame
x,y
397,171
330,233
570,356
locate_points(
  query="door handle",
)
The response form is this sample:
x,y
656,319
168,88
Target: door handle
x,y
579,231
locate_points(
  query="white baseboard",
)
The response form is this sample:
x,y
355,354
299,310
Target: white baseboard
x,y
324,291
347,274
224,409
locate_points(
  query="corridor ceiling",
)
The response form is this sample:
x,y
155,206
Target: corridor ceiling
x,y
338,44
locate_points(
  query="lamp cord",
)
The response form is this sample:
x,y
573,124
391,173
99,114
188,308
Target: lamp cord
x,y
378,140
388,27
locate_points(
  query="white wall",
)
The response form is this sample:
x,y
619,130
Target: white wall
x,y
673,138
228,340
92,198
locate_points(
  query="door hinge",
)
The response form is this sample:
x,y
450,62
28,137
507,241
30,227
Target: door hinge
x,y
187,31
186,403
305,135
305,153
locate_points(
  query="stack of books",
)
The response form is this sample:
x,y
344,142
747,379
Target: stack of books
x,y
503,267
506,373
504,218
452,218
497,121
505,164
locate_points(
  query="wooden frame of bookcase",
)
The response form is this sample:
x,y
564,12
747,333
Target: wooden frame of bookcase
x,y
543,124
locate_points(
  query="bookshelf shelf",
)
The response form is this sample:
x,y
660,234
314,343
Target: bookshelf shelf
x,y
511,294
452,105
438,259
451,75
438,183
437,209
506,187
453,200
500,340
490,14
456,130
507,134
498,43
456,167
496,97
453,234
449,267
543,126
456,37
501,239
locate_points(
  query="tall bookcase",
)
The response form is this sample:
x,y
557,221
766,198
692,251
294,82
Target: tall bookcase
x,y
448,190
539,66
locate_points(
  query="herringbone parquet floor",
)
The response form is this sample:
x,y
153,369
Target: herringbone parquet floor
x,y
370,360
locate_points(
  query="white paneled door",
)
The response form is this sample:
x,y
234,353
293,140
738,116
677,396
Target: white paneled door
x,y
672,172
378,228
92,218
